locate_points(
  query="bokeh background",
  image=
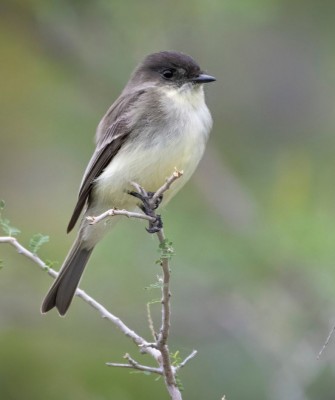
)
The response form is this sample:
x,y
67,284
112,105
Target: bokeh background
x,y
254,231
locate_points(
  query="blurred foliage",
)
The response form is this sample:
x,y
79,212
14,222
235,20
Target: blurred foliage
x,y
253,280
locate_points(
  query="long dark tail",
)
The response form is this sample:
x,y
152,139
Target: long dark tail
x,y
62,291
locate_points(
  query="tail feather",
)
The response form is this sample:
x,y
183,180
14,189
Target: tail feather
x,y
63,289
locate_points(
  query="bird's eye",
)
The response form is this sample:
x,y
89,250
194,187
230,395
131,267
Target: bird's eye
x,y
168,73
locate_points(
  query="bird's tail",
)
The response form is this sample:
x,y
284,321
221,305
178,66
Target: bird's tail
x,y
63,289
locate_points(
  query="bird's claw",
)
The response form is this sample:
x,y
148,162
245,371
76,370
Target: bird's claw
x,y
156,225
148,207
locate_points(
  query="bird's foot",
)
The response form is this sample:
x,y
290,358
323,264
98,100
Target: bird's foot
x,y
156,225
157,201
148,206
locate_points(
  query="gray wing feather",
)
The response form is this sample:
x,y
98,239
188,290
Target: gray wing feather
x,y
112,132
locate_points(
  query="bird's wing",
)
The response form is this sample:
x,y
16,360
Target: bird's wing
x,y
112,133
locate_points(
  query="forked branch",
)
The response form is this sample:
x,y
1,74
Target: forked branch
x,y
159,349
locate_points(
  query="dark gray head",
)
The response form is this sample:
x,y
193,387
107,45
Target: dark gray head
x,y
170,68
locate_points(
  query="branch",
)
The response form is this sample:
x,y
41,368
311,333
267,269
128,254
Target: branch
x,y
169,371
135,365
22,250
326,342
138,340
166,316
159,349
176,175
113,211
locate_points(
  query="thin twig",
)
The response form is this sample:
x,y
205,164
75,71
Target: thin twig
x,y
326,342
22,250
151,322
187,359
140,367
135,365
113,211
176,175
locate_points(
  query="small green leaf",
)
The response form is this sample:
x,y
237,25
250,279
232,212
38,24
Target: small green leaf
x,y
175,361
156,285
175,357
2,204
166,250
37,241
7,228
50,263
179,383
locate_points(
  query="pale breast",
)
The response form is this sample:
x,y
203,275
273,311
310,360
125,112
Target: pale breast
x,y
178,143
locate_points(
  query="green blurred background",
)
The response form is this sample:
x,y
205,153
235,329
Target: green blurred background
x,y
254,231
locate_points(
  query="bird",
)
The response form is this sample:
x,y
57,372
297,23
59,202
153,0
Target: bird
x,y
159,122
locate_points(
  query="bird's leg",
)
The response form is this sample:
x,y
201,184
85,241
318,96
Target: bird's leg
x,y
148,208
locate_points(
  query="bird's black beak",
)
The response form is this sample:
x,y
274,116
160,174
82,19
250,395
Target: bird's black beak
x,y
203,78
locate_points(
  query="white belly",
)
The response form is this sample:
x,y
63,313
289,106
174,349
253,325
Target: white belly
x,y
149,168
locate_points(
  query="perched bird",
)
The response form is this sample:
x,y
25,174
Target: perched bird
x,y
159,122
